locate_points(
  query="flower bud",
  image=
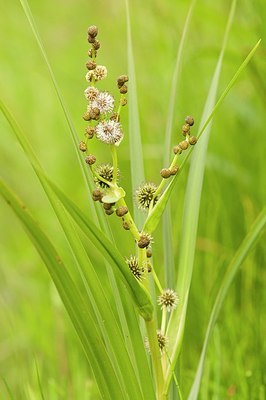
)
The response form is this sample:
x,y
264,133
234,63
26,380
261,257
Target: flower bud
x,y
126,225
174,170
193,140
123,89
93,31
177,149
91,65
183,145
165,173
185,129
189,120
90,159
82,146
96,45
121,211
89,132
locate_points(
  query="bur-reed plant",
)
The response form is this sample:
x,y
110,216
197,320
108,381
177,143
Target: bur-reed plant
x,y
131,326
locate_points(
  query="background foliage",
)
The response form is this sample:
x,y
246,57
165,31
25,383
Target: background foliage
x,y
34,327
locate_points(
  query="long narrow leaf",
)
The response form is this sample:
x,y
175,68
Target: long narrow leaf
x,y
191,214
239,257
88,332
154,217
136,156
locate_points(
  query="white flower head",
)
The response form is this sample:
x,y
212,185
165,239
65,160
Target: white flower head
x,y
91,93
89,75
109,132
168,299
100,72
104,101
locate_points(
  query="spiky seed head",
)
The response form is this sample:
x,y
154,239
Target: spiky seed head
x,y
193,140
134,267
89,75
144,240
106,172
185,129
90,159
93,30
165,173
189,120
168,299
121,211
183,145
82,146
162,340
145,195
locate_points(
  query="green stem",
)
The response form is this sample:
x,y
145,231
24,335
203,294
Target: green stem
x,y
115,167
156,359
128,218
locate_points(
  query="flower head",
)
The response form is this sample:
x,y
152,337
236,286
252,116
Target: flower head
x,y
168,299
134,267
104,102
91,93
145,195
106,172
162,341
109,132
100,72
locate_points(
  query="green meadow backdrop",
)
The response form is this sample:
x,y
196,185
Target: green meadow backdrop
x,y
39,350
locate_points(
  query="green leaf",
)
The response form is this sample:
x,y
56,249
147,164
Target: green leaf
x,y
84,323
155,216
136,155
190,218
244,249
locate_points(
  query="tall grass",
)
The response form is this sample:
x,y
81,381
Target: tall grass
x,y
114,314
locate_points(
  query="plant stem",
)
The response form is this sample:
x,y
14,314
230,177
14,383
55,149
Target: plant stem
x,y
114,157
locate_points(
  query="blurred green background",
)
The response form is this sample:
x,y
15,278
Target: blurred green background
x,y
34,329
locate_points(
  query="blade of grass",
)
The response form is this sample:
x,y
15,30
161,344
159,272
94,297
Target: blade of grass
x,y
244,249
138,293
82,265
134,128
190,217
167,221
82,320
154,217
136,162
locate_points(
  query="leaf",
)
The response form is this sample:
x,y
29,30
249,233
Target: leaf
x,y
81,318
155,215
236,262
190,218
136,155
